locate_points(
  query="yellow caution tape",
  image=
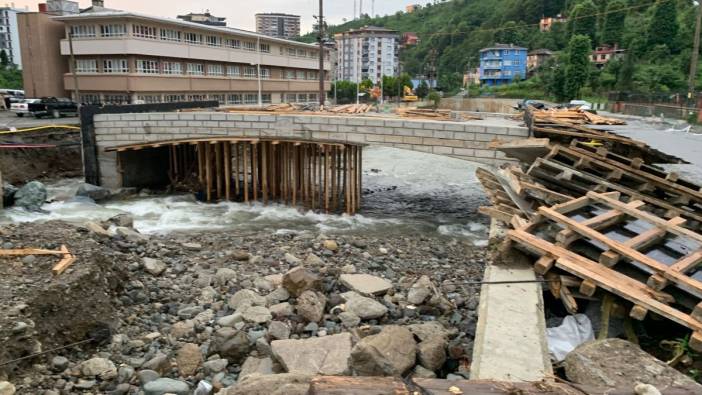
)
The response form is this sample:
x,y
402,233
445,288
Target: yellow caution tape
x,y
69,127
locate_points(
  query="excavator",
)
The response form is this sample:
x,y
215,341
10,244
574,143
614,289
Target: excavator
x,y
409,95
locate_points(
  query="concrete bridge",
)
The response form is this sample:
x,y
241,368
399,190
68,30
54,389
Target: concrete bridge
x,y
464,140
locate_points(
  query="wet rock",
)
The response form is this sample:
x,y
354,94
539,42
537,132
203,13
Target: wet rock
x,y
432,353
94,192
164,386
327,355
298,280
282,310
231,343
256,366
256,314
154,266
365,284
363,307
272,384
123,220
99,367
215,366
279,330
619,363
392,352
310,305
189,358
7,388
130,234
8,194
246,298
31,196
59,364
420,291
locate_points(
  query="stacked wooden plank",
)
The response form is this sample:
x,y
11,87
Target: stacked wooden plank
x,y
601,223
351,109
434,114
575,116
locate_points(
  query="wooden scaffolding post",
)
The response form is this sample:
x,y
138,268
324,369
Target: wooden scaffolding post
x,y
327,170
237,180
245,157
347,181
227,170
359,177
201,162
254,169
218,168
295,175
208,171
264,171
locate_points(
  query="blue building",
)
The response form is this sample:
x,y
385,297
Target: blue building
x,y
502,64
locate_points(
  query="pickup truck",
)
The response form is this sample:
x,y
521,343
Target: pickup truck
x,y
22,107
54,107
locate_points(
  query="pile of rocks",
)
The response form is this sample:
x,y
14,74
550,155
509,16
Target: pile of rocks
x,y
215,311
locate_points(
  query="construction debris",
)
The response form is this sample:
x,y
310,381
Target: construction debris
x,y
351,109
437,115
67,258
601,223
575,116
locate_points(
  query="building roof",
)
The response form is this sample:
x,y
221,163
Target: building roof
x,y
276,14
371,29
194,25
503,46
541,51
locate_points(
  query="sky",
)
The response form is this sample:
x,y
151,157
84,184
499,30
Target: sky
x,y
240,14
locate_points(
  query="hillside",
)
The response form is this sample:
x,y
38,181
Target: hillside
x,y
658,58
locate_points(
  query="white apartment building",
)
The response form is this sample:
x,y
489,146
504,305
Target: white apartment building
x,y
278,25
9,36
367,53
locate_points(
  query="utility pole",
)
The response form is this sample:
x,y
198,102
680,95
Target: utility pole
x,y
695,56
321,53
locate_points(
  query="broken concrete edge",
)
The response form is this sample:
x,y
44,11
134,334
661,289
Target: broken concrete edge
x,y
538,365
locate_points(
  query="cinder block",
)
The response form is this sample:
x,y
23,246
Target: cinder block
x,y
164,124
186,116
171,116
423,133
179,124
320,135
496,130
329,128
464,152
440,134
218,117
401,131
210,124
484,153
156,117
374,138
485,137
355,138
471,128
234,117
203,116
393,124
475,144
433,125
346,129
442,150
402,146
128,117
411,140
522,132
267,118
422,148
251,118
121,124
375,122
243,125
337,136
465,136
392,139
195,124
454,127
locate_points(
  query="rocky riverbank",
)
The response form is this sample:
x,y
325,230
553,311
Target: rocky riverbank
x,y
171,314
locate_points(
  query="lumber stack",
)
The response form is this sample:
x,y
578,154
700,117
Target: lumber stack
x,y
351,109
575,116
434,114
599,223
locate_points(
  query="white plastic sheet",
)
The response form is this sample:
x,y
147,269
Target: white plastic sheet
x,y
203,388
574,331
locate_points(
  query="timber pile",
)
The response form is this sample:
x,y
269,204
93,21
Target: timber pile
x,y
600,224
351,109
283,107
437,115
575,116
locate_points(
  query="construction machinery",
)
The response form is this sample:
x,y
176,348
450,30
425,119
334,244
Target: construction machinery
x,y
409,95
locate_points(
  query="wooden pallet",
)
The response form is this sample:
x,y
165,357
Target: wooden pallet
x,y
644,268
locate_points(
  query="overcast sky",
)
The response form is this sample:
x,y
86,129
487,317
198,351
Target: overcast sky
x,y
240,13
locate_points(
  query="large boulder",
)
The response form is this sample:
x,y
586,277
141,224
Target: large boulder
x,y
619,363
94,192
271,384
328,355
31,196
392,352
363,307
365,283
299,280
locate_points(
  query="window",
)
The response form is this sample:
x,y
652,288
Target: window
x,y
311,75
90,99
250,98
193,38
233,71
170,35
147,66
234,98
214,41
232,43
290,98
249,46
197,97
300,75
115,66
215,69
173,98
265,74
292,52
266,98
196,69
113,30
290,74
302,97
313,54
116,99
312,97
265,48
86,66
149,99
83,31
172,68
301,53
250,72
219,98
144,31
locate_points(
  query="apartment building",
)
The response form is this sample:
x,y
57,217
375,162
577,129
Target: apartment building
x,y
278,25
367,53
9,36
125,57
502,64
204,18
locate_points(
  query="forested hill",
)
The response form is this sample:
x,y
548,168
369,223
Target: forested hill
x,y
658,35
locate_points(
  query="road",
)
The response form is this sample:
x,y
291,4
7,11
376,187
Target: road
x,y
9,120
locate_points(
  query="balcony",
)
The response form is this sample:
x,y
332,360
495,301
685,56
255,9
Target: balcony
x,y
491,65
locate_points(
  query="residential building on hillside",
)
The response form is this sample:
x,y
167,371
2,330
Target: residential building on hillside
x,y
602,55
278,25
9,36
472,77
546,24
409,39
367,53
502,64
537,57
126,57
204,18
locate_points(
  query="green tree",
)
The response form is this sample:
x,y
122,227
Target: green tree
x,y
422,90
345,92
663,27
389,86
578,65
4,60
613,26
435,98
626,72
583,20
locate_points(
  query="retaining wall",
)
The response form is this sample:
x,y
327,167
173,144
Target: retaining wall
x,y
463,140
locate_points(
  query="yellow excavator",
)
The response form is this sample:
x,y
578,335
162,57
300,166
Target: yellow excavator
x,y
409,95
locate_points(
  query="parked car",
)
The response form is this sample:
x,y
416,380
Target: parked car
x,y
22,107
54,107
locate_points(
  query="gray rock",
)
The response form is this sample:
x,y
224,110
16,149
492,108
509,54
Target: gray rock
x,y
619,363
313,260
298,280
310,305
349,319
230,320
256,366
99,367
256,314
420,291
31,196
85,384
246,298
125,373
123,220
160,363
231,344
278,295
7,388
147,375
154,266
364,307
166,386
215,366
282,310
272,384
94,192
183,329
188,358
292,259
428,330
96,229
263,284
422,372
327,355
365,284
432,353
224,275
392,352
59,364
279,330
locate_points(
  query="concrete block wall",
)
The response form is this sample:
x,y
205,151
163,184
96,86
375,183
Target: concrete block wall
x,y
463,140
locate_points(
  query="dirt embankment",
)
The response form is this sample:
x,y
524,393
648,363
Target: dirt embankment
x,y
62,160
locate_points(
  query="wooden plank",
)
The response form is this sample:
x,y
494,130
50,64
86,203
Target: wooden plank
x,y
254,170
264,171
208,171
544,264
227,170
218,169
29,251
602,221
639,242
245,170
237,164
688,262
65,263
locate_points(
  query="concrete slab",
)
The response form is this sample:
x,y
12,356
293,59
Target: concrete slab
x,y
510,343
